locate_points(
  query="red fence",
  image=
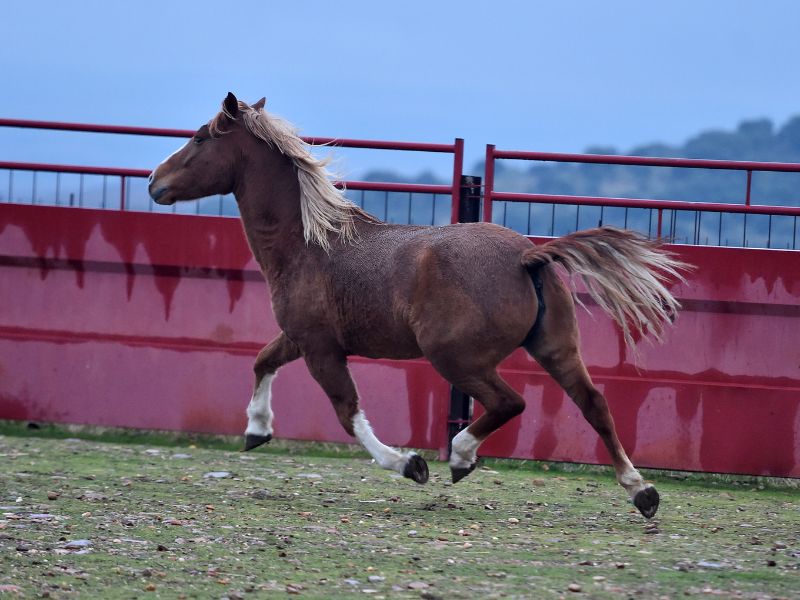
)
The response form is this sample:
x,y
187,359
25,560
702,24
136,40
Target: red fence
x,y
490,194
153,320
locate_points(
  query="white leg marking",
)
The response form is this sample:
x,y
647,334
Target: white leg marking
x,y
465,448
385,456
259,411
630,479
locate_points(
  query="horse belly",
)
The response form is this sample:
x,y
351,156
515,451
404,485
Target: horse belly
x,y
381,338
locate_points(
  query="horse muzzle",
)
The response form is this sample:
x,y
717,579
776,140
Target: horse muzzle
x,y
159,194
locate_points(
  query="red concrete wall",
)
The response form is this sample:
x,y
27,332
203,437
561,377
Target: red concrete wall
x,y
153,321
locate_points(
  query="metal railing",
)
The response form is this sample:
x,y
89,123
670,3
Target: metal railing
x,y
660,206
125,175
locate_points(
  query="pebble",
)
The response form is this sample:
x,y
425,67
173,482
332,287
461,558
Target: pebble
x,y
216,475
574,587
376,578
705,564
77,544
260,494
52,495
513,520
418,585
181,455
412,533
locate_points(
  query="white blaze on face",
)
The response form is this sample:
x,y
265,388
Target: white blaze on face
x,y
170,156
259,411
465,447
385,456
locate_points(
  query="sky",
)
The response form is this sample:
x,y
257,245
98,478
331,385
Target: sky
x,y
550,76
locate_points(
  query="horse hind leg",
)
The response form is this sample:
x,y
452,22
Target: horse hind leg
x,y
563,362
259,412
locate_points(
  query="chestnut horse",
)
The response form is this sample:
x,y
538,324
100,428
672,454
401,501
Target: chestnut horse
x,y
464,296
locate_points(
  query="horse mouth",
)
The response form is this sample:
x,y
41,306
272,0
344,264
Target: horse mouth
x,y
160,195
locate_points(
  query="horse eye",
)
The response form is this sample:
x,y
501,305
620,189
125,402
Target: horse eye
x,y
198,140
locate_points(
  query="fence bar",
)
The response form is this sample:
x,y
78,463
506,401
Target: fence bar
x,y
648,161
759,209
488,184
458,168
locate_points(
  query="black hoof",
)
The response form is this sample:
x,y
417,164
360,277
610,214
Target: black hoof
x,y
417,469
646,501
459,474
254,441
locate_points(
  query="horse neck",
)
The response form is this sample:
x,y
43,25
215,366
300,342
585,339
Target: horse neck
x,y
268,194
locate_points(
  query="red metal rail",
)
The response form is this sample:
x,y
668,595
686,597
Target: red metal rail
x,y
456,149
492,154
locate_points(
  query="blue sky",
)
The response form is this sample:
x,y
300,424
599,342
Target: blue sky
x,y
556,76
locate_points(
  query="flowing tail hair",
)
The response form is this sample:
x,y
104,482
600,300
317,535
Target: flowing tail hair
x,y
623,272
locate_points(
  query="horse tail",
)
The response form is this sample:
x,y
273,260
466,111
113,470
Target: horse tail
x,y
623,272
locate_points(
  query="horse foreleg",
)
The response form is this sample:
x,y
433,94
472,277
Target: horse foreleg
x,y
331,372
259,412
501,402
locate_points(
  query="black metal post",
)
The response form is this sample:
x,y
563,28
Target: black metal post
x,y
460,413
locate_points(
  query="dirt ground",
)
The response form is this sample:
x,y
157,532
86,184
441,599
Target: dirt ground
x,y
107,520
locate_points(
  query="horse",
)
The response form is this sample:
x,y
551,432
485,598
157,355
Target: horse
x,y
463,296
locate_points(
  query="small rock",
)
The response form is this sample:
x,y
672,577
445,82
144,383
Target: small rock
x,y
77,544
412,533
153,451
778,546
162,548
53,495
418,585
574,587
11,589
181,455
352,582
513,520
598,578
376,578
260,494
652,530
22,548
772,563
705,564
294,588
217,475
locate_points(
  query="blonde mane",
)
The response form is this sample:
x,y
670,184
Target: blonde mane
x,y
323,207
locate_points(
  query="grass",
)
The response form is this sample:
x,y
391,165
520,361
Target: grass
x,y
321,521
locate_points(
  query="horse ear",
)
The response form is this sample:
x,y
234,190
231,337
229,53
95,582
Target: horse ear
x,y
260,104
230,105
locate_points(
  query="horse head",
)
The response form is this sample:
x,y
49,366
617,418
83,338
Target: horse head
x,y
206,164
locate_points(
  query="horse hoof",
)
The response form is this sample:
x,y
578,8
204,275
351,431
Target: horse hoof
x,y
416,468
646,501
459,474
254,441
